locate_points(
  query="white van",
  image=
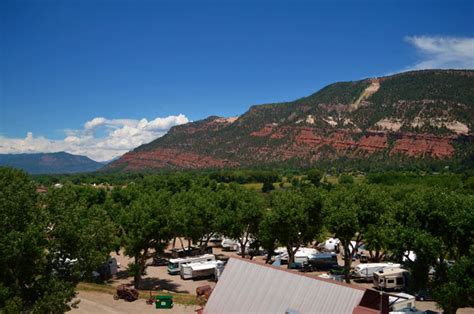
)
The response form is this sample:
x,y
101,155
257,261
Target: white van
x,y
175,263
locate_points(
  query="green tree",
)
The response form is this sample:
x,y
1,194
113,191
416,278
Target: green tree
x,y
350,212
195,214
456,289
80,230
346,179
295,218
315,176
242,214
146,227
28,280
267,186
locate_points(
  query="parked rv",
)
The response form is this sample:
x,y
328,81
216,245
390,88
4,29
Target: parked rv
x,y
301,256
330,245
175,263
228,244
365,272
199,269
323,260
391,279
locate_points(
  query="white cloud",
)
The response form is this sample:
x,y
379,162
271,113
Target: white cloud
x,y
437,52
121,135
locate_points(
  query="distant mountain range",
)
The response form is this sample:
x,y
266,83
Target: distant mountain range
x,y
48,163
419,116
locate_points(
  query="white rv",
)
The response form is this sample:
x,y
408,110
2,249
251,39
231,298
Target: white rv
x,y
303,254
331,245
366,271
199,269
228,244
390,279
175,263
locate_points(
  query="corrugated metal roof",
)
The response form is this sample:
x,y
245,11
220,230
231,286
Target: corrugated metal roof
x,y
248,287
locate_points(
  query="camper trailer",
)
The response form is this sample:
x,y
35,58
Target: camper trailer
x,y
175,263
228,244
199,269
365,272
323,260
303,254
391,279
331,245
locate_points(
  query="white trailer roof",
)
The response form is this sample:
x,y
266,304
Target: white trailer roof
x,y
248,287
203,266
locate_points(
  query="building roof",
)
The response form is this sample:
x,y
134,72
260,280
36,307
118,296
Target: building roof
x,y
249,287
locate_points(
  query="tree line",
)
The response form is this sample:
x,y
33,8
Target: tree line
x,y
51,241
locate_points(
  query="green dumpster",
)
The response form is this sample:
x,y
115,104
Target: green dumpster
x,y
164,302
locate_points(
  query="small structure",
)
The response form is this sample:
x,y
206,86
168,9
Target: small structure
x,y
164,302
249,287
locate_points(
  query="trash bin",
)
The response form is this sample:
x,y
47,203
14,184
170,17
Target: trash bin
x,y
164,302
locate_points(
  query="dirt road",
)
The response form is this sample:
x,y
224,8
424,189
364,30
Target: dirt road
x,y
94,302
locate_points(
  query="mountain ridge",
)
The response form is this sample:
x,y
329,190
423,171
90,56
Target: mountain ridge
x,y
425,114
50,163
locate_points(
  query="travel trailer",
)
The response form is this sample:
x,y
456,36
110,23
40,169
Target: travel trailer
x,y
228,244
366,271
199,269
175,263
301,256
330,245
391,279
323,260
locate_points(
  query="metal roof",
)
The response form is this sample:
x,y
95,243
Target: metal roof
x,y
249,287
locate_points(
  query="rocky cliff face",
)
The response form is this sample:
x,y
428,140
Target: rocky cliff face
x,y
419,115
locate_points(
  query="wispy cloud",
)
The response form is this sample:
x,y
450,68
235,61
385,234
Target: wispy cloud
x,y
121,135
437,52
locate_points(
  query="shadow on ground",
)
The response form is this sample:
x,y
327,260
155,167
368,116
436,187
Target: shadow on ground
x,y
161,284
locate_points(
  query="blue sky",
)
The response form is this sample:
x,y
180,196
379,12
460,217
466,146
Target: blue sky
x,y
112,64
